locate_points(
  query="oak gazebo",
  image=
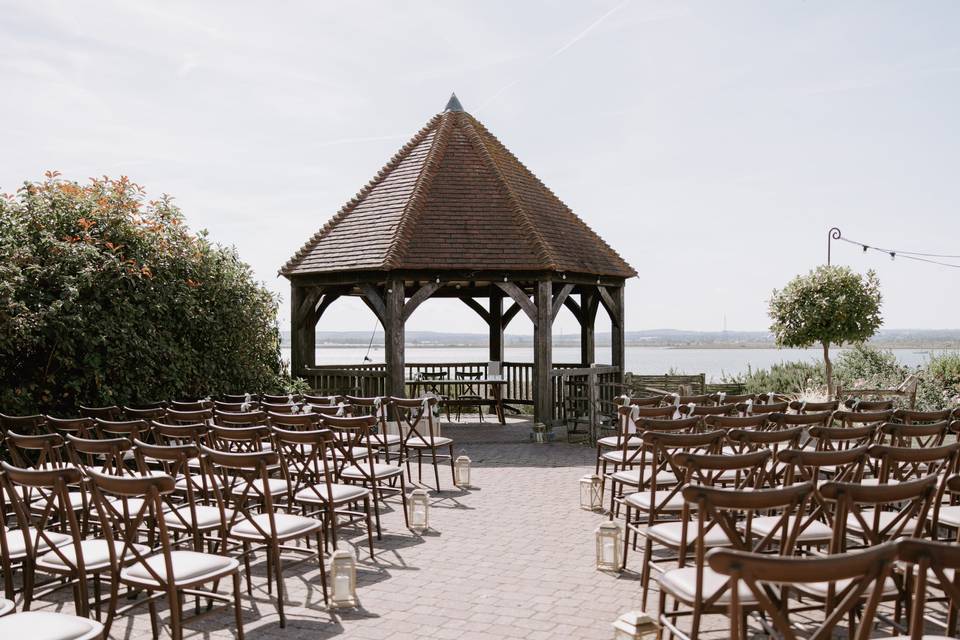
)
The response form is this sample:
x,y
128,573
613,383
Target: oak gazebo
x,y
454,214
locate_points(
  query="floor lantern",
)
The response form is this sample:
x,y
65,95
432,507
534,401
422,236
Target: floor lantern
x,y
461,469
343,577
419,510
590,497
634,625
609,539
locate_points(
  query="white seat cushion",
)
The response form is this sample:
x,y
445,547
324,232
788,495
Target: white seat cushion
x,y
671,534
96,555
386,439
340,492
425,443
48,625
380,471
288,526
873,482
949,516
819,589
632,477
17,545
886,517
618,456
682,583
188,567
815,531
6,606
197,481
641,500
75,498
612,441
356,453
207,517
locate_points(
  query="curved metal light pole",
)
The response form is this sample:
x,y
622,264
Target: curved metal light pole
x,y
833,234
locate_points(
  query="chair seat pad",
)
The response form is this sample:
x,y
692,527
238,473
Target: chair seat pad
x,y
682,583
386,439
949,516
198,482
885,519
671,534
819,589
340,493
380,471
188,567
17,545
641,500
96,555
632,477
6,606
426,443
815,531
616,441
207,517
355,453
74,497
49,625
873,482
288,526
617,456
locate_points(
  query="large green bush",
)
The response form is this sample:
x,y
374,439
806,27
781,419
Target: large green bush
x,y
106,297
939,386
794,378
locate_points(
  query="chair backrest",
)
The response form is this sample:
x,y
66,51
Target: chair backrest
x,y
279,407
304,453
290,398
240,439
809,419
911,416
848,419
83,427
171,434
649,401
174,461
736,422
772,397
677,399
351,446
663,447
112,412
909,434
749,440
40,451
183,416
937,565
416,416
294,421
240,398
191,405
239,418
858,405
732,398
807,406
26,425
754,408
866,571
144,413
132,429
708,410
324,400
235,407
898,464
105,455
840,438
881,512
43,508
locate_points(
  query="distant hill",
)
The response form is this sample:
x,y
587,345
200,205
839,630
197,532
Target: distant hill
x,y
925,338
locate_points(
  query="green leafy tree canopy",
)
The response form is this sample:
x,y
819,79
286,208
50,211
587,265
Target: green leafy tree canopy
x,y
107,298
831,305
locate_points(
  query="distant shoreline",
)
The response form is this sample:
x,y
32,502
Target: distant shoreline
x,y
944,346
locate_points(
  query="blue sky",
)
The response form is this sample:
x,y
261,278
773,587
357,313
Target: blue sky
x,y
712,143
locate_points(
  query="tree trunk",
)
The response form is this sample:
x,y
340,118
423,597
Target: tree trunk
x,y
828,369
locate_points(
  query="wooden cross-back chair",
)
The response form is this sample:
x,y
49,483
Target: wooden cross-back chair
x,y
111,412
39,451
83,427
251,517
900,464
755,578
235,407
239,418
702,410
859,405
812,406
728,422
294,421
634,459
945,514
806,420
626,435
330,400
937,565
145,413
698,587
191,405
48,537
26,425
750,440
913,416
732,398
106,455
305,454
677,532
924,434
290,398
130,429
178,416
382,436
754,408
126,505
357,463
423,435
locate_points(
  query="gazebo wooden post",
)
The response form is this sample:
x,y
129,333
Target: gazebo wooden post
x,y
304,335
495,320
394,336
588,318
617,336
543,353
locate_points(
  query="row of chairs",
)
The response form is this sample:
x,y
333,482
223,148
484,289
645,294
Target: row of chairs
x,y
826,482
166,507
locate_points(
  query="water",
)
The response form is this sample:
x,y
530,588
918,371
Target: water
x,y
647,360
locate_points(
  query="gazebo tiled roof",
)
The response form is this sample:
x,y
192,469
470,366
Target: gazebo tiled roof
x,y
454,198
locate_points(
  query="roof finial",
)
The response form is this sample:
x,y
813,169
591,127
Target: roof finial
x,y
453,104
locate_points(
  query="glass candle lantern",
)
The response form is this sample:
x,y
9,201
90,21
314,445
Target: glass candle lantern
x,y
634,625
461,469
609,540
343,579
419,510
591,497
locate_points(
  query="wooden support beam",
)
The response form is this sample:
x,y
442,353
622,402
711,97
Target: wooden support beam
x,y
608,301
575,308
543,353
302,332
419,297
559,299
520,298
476,306
617,329
589,304
328,299
373,299
395,336
495,324
509,314
310,298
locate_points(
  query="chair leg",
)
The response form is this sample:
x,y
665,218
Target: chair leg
x,y
154,621
453,471
375,490
237,611
275,552
403,499
176,613
246,567
645,571
366,510
323,570
436,469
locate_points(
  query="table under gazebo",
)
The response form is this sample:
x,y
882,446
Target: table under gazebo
x,y
454,214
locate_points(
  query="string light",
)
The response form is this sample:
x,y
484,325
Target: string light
x,y
906,255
